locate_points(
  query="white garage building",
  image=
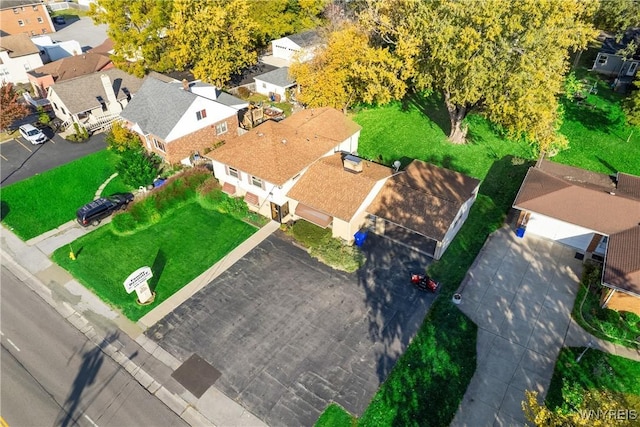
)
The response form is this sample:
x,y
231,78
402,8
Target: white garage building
x,y
598,215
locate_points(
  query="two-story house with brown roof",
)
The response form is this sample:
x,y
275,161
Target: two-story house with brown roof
x,y
598,215
18,55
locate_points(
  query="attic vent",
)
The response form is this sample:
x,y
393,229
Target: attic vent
x,y
352,164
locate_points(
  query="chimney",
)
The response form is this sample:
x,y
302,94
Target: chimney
x,y
108,89
352,164
185,85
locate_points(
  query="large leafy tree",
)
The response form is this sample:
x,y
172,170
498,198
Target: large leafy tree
x,y
506,59
617,15
276,18
138,29
348,70
213,38
10,108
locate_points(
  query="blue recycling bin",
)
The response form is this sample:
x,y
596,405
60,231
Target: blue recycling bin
x,y
360,237
520,232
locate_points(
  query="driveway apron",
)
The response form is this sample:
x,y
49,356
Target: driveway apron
x,y
520,293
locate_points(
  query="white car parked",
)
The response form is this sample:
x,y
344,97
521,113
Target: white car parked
x,y
32,134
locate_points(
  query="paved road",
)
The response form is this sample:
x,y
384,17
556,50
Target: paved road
x,y
20,160
83,30
53,375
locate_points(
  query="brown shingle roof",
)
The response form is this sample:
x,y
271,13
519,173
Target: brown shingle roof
x,y
18,45
327,187
424,198
277,151
622,269
73,66
584,204
104,48
629,185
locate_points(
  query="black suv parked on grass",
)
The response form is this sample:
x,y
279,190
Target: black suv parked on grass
x,y
92,213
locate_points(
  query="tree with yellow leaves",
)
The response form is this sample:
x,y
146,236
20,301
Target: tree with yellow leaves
x,y
348,70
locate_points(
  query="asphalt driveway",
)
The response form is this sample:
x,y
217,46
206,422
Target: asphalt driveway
x,y
20,160
289,334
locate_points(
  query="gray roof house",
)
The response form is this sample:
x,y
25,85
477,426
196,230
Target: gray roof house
x,y
612,63
94,100
179,119
275,82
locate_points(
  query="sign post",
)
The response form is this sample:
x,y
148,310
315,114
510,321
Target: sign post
x,y
137,281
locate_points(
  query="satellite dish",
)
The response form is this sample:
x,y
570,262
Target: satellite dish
x,y
396,165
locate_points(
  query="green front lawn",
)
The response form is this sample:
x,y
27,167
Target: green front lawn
x,y
185,243
596,371
46,201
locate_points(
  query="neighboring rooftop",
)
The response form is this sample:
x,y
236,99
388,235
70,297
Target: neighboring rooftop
x,y
72,66
105,48
18,45
579,197
622,268
326,186
278,77
424,198
306,38
80,94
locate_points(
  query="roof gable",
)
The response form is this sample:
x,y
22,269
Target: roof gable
x,y
306,38
424,198
592,201
158,107
326,186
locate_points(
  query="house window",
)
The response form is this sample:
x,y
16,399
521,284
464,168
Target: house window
x,y
221,128
55,106
40,21
15,10
632,69
159,145
62,109
256,181
35,7
201,114
234,172
602,59
27,67
264,85
21,22
44,31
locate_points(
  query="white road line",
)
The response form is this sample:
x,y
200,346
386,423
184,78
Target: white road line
x,y
27,148
4,157
14,346
1,334
90,420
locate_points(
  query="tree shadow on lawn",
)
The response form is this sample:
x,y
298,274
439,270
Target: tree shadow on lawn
x,y
432,106
592,117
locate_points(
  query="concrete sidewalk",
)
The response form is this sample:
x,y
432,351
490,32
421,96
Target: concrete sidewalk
x,y
147,362
520,293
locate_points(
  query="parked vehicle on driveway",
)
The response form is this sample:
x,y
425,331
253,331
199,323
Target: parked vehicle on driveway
x,y
94,212
32,134
59,20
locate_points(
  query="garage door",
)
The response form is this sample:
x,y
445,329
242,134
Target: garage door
x,y
560,231
318,218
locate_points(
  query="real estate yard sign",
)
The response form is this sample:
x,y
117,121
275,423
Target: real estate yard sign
x,y
137,281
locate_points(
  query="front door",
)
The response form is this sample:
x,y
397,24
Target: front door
x,y
278,212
